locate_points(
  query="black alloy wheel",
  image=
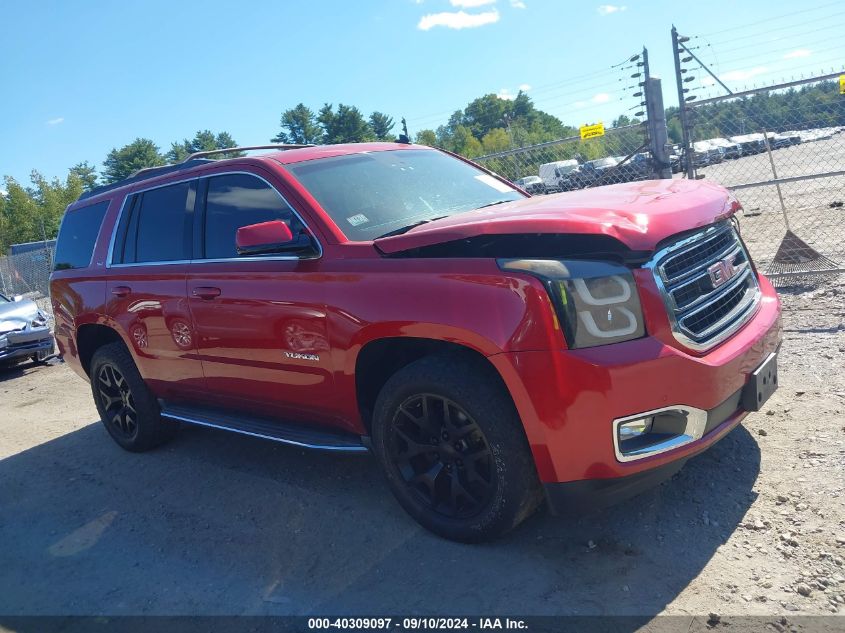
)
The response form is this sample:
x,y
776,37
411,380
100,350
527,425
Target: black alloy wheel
x,y
443,456
117,401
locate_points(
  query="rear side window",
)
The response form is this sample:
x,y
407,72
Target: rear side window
x,y
236,200
80,227
159,225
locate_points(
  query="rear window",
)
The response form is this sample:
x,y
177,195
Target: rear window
x,y
78,234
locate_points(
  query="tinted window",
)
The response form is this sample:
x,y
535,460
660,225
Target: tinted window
x,y
236,200
78,235
161,225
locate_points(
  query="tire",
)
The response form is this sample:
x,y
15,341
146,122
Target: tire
x,y
471,480
126,406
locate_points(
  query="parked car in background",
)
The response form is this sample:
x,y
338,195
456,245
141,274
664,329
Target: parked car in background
x,y
493,350
592,173
750,143
730,149
532,184
557,175
24,331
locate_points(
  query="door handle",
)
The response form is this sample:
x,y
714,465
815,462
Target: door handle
x,y
121,291
206,292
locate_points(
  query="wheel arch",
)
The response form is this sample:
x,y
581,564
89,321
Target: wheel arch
x,y
92,336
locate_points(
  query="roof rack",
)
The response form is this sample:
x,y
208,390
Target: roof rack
x,y
193,160
227,150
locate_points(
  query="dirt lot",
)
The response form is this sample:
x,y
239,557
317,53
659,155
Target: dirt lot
x,y
223,524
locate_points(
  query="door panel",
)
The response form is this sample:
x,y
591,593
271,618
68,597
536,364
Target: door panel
x,y
263,338
150,305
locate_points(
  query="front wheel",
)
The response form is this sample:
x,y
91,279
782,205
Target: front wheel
x,y
128,409
453,449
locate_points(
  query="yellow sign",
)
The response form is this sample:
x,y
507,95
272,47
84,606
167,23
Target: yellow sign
x,y
597,129
842,84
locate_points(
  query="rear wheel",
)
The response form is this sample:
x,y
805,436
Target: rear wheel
x,y
453,449
126,406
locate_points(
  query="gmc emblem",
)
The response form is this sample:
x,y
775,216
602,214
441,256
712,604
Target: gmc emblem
x,y
721,271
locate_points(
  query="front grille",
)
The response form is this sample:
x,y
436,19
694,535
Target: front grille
x,y
708,285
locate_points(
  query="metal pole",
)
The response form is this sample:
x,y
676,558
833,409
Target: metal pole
x,y
682,111
775,174
657,132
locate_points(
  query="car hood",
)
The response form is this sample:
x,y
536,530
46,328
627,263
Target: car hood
x,y
639,214
17,315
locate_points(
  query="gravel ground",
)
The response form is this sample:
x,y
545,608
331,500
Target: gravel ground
x,y
223,524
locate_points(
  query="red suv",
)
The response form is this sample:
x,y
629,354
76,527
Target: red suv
x,y
493,350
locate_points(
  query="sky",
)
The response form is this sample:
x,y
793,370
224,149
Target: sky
x,y
81,78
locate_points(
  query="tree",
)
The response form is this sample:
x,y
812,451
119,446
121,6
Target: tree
x,y
29,214
347,125
122,163
300,127
426,137
203,141
381,125
86,173
496,140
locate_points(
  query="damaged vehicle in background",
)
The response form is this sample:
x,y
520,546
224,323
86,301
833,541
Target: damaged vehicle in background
x,y
24,332
532,184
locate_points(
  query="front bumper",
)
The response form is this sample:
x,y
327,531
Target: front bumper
x,y
30,343
568,399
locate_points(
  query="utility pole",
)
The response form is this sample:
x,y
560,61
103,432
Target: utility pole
x,y
682,107
658,136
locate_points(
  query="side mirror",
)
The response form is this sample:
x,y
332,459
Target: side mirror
x,y
269,237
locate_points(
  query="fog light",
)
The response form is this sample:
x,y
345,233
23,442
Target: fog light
x,y
635,428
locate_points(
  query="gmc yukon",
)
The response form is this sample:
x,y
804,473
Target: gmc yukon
x,y
493,350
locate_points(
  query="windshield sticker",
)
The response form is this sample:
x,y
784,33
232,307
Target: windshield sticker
x,y
498,185
355,220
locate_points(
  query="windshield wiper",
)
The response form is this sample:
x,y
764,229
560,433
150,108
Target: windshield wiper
x,y
493,204
405,229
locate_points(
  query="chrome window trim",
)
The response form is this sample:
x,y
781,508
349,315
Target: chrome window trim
x,y
668,301
694,431
196,177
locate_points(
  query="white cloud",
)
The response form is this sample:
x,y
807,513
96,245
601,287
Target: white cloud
x,y
55,121
525,87
607,9
801,52
505,93
601,97
518,4
458,20
470,4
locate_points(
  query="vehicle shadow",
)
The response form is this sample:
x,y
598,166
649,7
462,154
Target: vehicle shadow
x,y
216,523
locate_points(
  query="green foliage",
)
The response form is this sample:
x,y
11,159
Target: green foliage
x,y
299,127
381,125
86,173
813,106
122,163
426,137
203,141
347,125
29,214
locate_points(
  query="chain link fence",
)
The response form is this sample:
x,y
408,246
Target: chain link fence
x,y
28,274
781,150
619,155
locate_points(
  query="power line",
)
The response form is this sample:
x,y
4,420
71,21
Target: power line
x,y
756,44
775,17
793,25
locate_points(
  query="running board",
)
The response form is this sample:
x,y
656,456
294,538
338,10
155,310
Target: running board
x,y
317,438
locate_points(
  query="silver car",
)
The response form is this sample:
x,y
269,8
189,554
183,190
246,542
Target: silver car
x,y
24,331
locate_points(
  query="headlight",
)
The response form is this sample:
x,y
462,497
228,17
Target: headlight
x,y
40,320
597,302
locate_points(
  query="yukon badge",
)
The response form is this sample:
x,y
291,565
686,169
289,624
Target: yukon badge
x,y
297,356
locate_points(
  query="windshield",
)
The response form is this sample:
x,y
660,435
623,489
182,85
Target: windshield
x,y
604,162
4,299
368,195
566,169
